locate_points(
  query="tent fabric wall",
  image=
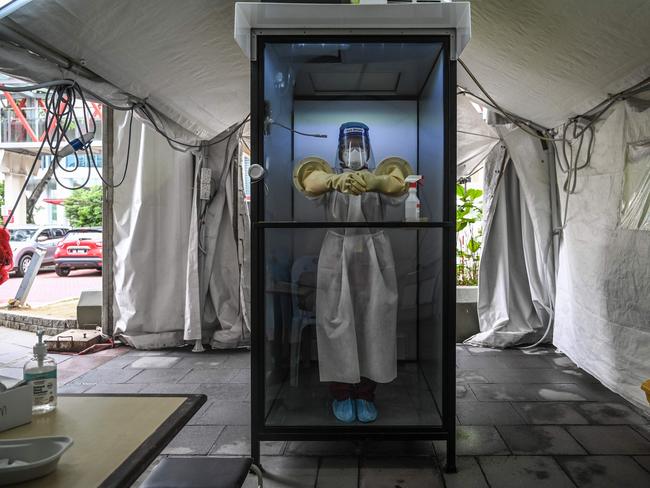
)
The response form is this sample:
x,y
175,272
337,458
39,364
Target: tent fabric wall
x,y
475,139
516,277
221,229
189,248
152,211
602,319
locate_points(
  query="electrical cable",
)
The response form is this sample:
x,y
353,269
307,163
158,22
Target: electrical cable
x,y
321,136
63,99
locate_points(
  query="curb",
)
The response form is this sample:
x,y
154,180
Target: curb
x,y
51,326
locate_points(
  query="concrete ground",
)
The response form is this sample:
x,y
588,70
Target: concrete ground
x,y
524,420
48,287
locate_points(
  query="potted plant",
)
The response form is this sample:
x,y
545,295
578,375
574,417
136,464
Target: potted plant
x,y
469,233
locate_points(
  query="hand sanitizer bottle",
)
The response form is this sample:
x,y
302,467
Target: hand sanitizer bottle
x,y
412,206
40,371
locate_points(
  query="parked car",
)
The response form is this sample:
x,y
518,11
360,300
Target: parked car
x,y
25,239
79,249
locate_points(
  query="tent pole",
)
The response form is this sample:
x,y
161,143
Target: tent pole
x,y
108,282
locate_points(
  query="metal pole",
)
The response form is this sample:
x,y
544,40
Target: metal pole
x,y
108,283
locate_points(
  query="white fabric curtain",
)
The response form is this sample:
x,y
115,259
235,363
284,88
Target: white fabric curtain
x,y
152,212
602,319
220,237
516,277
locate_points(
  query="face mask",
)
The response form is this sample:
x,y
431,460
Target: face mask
x,y
356,159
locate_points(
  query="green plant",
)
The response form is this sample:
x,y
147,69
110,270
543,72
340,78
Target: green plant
x,y
83,208
469,233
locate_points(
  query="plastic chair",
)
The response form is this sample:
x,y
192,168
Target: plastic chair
x,y
301,318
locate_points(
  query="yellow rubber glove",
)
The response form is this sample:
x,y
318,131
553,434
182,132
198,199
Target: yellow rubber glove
x,y
390,184
319,182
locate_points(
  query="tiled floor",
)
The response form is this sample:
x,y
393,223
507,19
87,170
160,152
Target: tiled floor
x,y
524,420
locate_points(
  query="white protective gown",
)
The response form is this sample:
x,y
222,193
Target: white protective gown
x,y
356,300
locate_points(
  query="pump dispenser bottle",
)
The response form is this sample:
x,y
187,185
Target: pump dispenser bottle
x,y
412,205
40,371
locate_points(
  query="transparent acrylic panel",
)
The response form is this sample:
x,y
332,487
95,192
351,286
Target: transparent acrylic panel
x,y
346,304
311,89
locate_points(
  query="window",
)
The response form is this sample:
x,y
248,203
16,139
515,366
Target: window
x,y
21,235
90,235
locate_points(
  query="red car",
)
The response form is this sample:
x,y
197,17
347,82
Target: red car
x,y
79,249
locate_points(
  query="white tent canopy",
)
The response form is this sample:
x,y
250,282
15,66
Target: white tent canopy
x,y
545,61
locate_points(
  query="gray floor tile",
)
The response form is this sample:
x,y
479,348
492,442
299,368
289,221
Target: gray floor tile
x,y
541,351
107,376
474,440
550,413
141,352
194,440
170,388
469,474
536,375
114,388
537,439
73,389
610,439
170,375
644,430
119,362
241,376
514,392
238,360
195,420
563,362
235,440
402,472
338,472
227,413
225,391
202,361
487,413
610,413
154,362
321,448
503,361
605,471
401,448
595,392
216,375
524,471
470,376
464,394
294,472
644,461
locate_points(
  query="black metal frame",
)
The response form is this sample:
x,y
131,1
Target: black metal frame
x,y
446,431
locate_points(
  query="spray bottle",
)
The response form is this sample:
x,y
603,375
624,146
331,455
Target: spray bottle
x,y
40,371
412,207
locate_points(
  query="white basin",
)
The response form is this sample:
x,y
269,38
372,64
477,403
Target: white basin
x,y
26,459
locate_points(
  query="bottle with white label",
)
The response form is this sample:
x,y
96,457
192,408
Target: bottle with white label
x,y
40,371
412,204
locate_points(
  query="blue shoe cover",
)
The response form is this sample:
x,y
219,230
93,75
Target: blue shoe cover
x,y
344,410
366,411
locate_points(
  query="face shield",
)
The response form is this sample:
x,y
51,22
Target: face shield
x,y
354,150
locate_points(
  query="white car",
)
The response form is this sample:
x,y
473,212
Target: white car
x,y
25,239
